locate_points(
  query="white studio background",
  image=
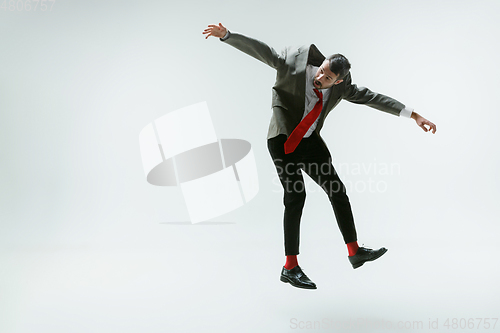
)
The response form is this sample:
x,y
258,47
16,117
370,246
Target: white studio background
x,y
86,244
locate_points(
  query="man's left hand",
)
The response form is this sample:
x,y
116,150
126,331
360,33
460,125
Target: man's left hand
x,y
423,123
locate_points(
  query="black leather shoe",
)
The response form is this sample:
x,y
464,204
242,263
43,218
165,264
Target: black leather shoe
x,y
296,278
363,255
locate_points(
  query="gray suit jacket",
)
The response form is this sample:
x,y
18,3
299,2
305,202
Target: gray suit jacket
x,y
289,89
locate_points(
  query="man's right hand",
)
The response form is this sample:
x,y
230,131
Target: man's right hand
x,y
215,30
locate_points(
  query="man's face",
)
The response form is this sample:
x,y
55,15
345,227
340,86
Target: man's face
x,y
325,78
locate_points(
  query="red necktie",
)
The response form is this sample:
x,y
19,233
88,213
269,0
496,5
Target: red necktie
x,y
298,133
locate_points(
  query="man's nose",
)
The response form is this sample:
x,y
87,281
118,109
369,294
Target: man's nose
x,y
320,76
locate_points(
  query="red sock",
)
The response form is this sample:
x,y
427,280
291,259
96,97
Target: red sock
x,y
352,247
291,262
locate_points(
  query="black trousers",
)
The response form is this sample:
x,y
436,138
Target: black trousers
x,y
313,157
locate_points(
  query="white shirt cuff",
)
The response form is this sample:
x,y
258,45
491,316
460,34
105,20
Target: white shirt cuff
x,y
406,112
226,36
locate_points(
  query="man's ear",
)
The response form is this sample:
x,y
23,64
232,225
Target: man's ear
x,y
338,81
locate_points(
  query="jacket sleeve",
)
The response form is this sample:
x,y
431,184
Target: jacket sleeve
x,y
362,95
256,49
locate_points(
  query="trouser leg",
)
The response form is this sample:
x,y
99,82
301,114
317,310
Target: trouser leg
x,y
294,196
318,165
335,189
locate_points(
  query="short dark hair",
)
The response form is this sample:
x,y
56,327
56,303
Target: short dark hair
x,y
339,65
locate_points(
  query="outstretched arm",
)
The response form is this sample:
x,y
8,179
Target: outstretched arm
x,y
384,103
363,95
250,46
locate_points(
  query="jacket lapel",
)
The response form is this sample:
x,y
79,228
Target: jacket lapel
x,y
305,56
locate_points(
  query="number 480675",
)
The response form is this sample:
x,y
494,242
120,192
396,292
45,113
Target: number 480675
x,y
26,5
470,323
